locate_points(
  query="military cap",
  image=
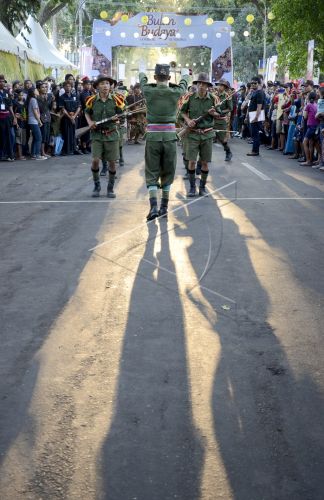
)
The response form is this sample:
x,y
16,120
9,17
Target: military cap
x,y
162,70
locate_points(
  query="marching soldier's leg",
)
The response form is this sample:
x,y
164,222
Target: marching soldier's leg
x,y
228,152
121,158
152,174
96,178
192,150
206,148
111,155
111,180
168,167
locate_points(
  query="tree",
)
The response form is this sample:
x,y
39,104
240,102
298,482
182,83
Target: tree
x,y
298,22
15,13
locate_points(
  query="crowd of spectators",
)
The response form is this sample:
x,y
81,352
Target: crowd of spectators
x,y
292,119
38,119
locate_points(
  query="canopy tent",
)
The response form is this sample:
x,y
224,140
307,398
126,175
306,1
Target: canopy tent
x,y
38,41
16,60
8,43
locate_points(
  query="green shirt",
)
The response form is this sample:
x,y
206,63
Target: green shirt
x,y
197,106
99,111
161,104
225,107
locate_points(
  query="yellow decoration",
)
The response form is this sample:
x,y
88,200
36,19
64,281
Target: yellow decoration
x,y
230,20
271,16
144,19
209,21
124,18
165,20
103,14
250,18
187,21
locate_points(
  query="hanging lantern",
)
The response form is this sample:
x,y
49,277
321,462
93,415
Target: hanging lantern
x,y
271,16
232,34
209,21
124,18
187,21
165,20
250,18
218,35
144,19
230,20
103,14
246,33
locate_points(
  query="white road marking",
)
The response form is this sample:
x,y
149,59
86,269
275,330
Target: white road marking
x,y
144,224
257,172
157,266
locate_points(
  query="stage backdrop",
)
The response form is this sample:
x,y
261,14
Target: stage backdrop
x,y
156,29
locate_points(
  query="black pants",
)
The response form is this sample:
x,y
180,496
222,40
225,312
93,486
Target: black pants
x,y
255,128
6,149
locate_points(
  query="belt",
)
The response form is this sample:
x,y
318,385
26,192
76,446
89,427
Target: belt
x,y
161,127
107,131
201,130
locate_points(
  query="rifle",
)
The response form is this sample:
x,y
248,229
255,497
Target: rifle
x,y
185,129
83,130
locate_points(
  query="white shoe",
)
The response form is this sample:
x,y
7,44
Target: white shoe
x,y
41,158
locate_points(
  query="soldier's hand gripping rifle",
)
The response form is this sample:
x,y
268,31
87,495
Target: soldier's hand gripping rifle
x,y
184,130
97,125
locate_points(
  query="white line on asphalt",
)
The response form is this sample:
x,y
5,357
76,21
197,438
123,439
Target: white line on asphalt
x,y
184,205
157,266
257,172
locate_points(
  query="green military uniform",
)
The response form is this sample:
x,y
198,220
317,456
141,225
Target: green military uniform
x,y
200,139
161,138
105,140
160,151
225,108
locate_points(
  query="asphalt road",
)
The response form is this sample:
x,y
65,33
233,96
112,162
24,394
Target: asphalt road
x,y
180,359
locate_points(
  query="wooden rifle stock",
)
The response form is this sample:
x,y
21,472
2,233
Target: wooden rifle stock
x,y
83,130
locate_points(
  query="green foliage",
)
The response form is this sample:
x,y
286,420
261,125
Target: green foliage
x,y
298,22
15,13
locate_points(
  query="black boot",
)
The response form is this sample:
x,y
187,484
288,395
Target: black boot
x,y
192,179
163,212
202,189
111,183
96,190
228,153
104,169
153,213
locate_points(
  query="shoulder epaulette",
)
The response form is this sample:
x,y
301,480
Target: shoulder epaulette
x,y
184,98
119,100
90,100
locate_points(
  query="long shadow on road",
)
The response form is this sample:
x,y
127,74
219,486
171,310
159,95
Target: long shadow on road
x,y
267,421
152,450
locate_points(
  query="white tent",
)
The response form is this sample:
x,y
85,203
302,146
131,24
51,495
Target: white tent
x,y
39,42
8,43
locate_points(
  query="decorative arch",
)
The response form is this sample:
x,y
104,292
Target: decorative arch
x,y
164,29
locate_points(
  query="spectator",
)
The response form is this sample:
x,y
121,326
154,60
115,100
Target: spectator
x,y
310,112
44,104
34,123
20,110
70,106
7,118
256,107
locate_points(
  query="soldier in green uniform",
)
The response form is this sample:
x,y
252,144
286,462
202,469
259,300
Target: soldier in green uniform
x,y
199,141
105,138
223,110
161,139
